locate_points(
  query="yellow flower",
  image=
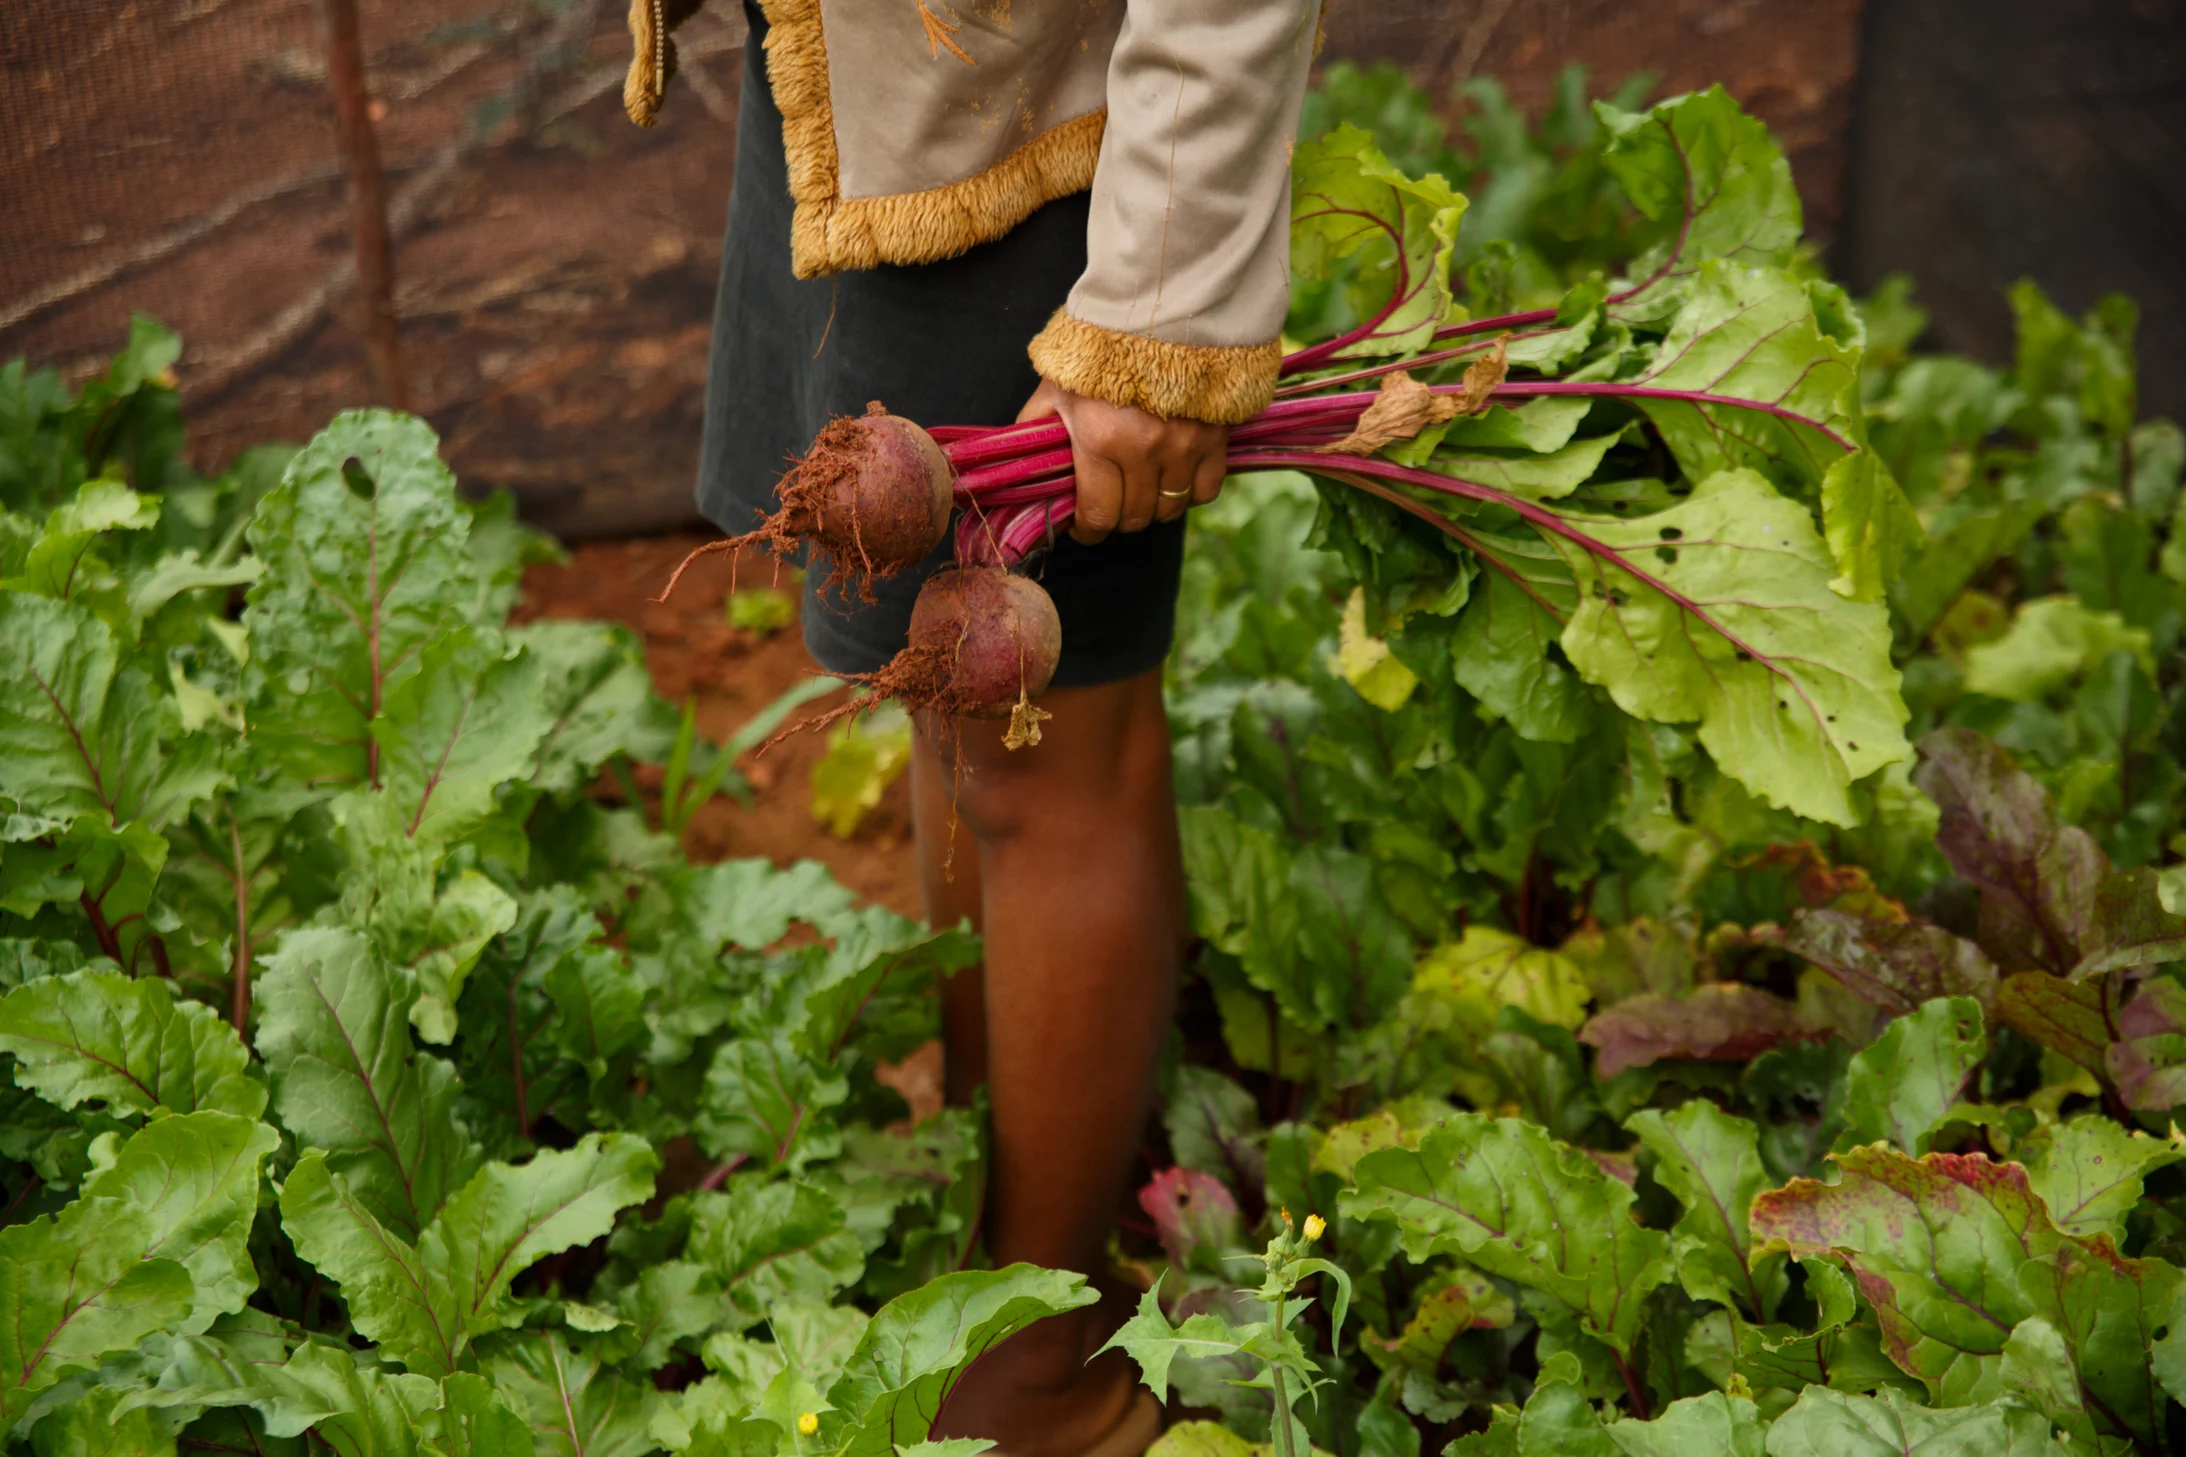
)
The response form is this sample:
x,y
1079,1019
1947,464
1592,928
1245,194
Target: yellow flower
x,y
809,1423
1315,1227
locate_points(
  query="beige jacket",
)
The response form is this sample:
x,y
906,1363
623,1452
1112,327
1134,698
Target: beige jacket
x,y
918,128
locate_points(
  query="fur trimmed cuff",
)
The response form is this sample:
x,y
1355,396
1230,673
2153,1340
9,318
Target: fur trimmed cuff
x,y
1222,384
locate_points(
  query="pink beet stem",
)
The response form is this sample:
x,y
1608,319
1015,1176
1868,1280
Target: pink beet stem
x,y
1003,442
1021,457
1011,470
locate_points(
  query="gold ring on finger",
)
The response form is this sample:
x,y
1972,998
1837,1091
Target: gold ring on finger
x,y
1174,495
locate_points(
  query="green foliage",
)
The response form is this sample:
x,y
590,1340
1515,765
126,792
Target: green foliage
x,y
346,1012
1689,935
864,756
763,611
1701,920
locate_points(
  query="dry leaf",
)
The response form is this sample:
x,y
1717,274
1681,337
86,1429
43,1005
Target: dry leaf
x,y
1025,719
1481,378
1403,407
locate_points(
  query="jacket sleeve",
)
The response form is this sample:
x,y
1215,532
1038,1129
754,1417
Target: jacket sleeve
x,y
1187,280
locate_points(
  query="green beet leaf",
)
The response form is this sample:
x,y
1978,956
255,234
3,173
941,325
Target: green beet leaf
x,y
194,1176
474,1420
1752,334
919,1345
1719,610
2039,1370
576,1404
92,1426
2071,1018
545,1011
1899,1088
600,1005
1451,1306
1558,1422
1711,178
431,924
356,1409
365,566
2088,1172
919,1189
448,735
229,1365
391,1296
468,913
765,1101
1309,925
1544,477
425,1304
130,1045
752,903
872,987
80,734
1838,1352
77,1287
334,1031
1346,200
1826,1423
1461,987
59,562
1503,1195
1961,545
1214,1127
671,1306
767,1243
2052,641
2104,1310
1711,1162
107,874
599,700
1500,650
1758,336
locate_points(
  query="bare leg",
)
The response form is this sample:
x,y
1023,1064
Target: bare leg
x,y
1079,890
949,883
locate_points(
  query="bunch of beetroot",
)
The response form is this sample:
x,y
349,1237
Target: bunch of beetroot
x,y
876,495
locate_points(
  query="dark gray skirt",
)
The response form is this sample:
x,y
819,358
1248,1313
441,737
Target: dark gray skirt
x,y
944,344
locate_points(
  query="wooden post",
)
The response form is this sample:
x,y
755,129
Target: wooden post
x,y
367,203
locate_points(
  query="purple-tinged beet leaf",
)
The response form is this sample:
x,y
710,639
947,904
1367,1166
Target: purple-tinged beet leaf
x,y
2148,1059
1888,959
1714,1022
2050,899
1935,1245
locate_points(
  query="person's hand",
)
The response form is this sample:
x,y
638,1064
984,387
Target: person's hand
x,y
1133,468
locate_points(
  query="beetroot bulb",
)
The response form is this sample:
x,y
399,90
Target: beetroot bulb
x,y
996,633
873,493
984,643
